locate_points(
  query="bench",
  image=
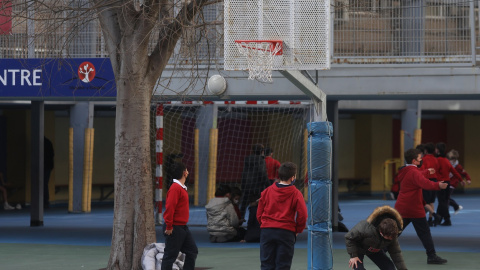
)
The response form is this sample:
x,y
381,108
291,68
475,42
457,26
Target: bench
x,y
14,192
105,189
109,187
354,182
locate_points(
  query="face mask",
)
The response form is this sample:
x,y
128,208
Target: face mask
x,y
420,165
293,182
235,201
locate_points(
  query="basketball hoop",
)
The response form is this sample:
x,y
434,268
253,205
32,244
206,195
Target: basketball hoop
x,y
260,55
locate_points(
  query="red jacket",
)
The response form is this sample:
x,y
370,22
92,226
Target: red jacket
x,y
445,168
176,207
272,167
410,201
429,161
278,207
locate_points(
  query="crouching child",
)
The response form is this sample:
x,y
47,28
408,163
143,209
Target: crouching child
x,y
375,235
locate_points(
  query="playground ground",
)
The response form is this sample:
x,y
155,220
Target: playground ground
x,y
82,241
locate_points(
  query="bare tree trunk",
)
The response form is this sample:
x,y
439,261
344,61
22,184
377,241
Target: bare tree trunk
x,y
134,225
127,32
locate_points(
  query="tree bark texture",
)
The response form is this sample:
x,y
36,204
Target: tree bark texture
x,y
126,34
133,225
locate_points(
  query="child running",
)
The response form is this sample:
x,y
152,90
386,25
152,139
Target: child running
x,y
453,156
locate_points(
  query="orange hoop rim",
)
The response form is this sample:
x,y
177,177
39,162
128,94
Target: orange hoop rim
x,y
271,48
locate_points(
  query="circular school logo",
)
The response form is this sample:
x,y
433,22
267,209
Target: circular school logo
x,y
86,72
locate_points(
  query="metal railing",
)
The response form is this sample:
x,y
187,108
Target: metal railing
x,y
37,31
403,31
363,32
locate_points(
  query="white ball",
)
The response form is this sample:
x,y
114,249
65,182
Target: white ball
x,y
217,85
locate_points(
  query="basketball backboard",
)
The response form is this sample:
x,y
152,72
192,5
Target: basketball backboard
x,y
301,25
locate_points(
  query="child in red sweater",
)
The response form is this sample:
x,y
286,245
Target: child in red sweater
x,y
443,173
177,235
272,165
453,156
410,203
279,204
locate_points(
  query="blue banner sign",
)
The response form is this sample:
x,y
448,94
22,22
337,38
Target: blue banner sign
x,y
86,78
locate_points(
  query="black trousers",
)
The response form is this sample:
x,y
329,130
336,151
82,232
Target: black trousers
x,y
180,240
250,194
245,201
430,195
423,232
452,202
380,259
276,248
443,196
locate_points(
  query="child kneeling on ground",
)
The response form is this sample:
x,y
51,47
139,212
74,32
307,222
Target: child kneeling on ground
x,y
222,220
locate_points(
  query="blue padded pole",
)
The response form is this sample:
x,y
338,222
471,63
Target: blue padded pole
x,y
320,255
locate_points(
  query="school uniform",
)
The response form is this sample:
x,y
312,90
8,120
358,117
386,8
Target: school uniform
x,y
459,168
272,168
430,161
410,204
445,168
282,213
175,217
453,184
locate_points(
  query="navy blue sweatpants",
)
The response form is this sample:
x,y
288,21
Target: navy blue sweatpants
x,y
276,248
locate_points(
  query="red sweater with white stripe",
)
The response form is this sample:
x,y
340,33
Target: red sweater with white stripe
x,y
176,206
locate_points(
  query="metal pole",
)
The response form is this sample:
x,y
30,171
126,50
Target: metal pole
x,y
332,114
478,5
36,160
472,33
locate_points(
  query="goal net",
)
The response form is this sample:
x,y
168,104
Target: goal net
x,y
213,139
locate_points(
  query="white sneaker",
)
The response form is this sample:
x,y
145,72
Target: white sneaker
x,y
7,206
459,208
18,206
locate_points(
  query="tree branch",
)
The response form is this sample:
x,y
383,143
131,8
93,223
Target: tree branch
x,y
119,20
170,34
108,19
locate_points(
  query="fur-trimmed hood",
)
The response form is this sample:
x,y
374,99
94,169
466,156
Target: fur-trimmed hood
x,y
383,212
365,238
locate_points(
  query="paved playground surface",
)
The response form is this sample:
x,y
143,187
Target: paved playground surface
x,y
82,241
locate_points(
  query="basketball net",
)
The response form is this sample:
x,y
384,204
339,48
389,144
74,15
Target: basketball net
x,y
260,56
